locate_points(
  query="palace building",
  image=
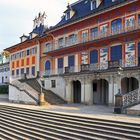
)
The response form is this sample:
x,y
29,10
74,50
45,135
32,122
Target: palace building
x,y
89,56
4,68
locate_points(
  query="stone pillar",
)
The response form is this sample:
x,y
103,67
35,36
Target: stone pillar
x,y
82,91
69,92
86,91
111,91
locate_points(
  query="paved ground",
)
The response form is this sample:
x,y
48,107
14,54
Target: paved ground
x,y
4,97
103,112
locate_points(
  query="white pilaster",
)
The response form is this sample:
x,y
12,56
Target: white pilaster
x,y
69,93
56,63
86,92
38,58
76,62
66,61
111,94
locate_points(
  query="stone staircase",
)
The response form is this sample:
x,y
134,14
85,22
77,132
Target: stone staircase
x,y
20,123
49,96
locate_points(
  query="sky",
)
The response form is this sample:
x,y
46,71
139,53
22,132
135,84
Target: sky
x,y
16,17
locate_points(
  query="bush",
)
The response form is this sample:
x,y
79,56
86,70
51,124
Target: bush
x,y
4,89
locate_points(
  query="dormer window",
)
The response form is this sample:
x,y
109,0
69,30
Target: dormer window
x,y
68,15
93,4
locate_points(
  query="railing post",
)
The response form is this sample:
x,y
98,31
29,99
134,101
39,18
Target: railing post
x,y
118,103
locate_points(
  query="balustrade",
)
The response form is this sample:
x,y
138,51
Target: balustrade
x,y
131,98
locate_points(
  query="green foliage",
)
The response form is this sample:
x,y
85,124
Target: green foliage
x,y
4,89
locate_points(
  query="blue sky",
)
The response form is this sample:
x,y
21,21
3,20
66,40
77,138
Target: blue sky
x,y
16,17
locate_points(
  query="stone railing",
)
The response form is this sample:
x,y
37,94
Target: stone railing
x,y
26,88
131,98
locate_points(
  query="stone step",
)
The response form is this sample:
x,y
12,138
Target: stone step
x,y
6,135
44,118
42,133
50,97
73,128
135,110
73,118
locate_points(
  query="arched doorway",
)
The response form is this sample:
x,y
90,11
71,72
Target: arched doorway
x,y
76,91
129,84
100,92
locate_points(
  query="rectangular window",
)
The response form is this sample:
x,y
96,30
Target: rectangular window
x,y
22,71
13,64
22,62
68,15
84,57
130,22
13,72
34,50
27,71
27,61
22,54
27,52
60,63
94,33
48,47
33,60
61,42
17,71
72,39
85,36
93,4
53,83
71,61
17,63
104,30
33,70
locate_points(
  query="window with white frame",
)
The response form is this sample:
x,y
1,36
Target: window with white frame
x,y
85,36
104,29
68,15
93,4
72,39
130,22
48,47
61,42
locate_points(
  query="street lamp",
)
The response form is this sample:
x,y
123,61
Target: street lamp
x,y
42,101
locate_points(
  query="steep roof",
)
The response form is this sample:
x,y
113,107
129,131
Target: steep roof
x,y
82,9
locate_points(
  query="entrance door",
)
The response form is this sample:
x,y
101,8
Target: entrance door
x,y
76,92
100,92
129,84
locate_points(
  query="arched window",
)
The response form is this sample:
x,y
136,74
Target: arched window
x,y
116,25
116,53
47,65
93,57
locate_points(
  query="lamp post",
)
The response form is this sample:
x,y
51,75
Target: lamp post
x,y
119,97
42,101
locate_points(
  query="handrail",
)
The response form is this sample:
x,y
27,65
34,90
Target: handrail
x,y
25,92
131,98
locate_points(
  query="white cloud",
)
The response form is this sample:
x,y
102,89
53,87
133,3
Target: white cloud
x,y
17,17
